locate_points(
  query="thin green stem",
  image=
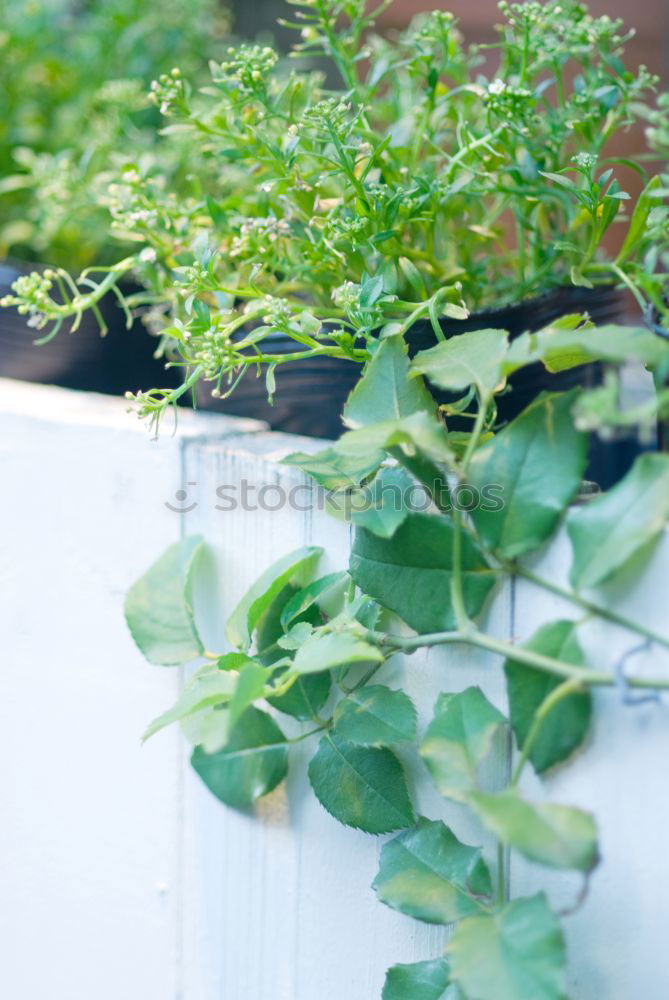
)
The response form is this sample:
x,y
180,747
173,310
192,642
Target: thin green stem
x,y
547,664
590,606
548,704
470,148
457,593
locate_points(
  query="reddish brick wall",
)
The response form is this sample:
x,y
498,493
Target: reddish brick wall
x,y
477,17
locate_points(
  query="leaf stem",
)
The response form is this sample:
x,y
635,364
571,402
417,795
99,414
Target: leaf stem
x,y
548,664
587,605
554,698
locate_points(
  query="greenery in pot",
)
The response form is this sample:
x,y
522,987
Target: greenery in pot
x,y
426,186
73,97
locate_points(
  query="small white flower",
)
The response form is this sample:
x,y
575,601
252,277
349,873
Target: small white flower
x,y
497,87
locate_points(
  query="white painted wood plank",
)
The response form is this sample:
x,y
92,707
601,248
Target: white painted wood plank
x,y
616,940
279,905
89,835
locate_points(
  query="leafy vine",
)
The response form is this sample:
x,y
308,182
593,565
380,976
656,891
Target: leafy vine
x,y
314,647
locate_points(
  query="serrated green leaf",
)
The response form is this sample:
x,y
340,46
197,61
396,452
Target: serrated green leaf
x,y
296,636
326,651
430,875
538,463
552,835
381,507
309,595
421,981
203,690
411,572
516,954
250,686
207,729
385,391
251,764
305,698
420,431
567,724
333,470
361,787
458,740
376,716
158,607
608,532
473,358
233,661
293,569
560,348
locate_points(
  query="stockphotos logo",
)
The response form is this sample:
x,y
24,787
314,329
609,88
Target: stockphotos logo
x,y
386,496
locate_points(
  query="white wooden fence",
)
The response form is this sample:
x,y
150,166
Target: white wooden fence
x,y
121,875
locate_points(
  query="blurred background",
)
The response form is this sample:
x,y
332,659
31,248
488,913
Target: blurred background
x,y
478,17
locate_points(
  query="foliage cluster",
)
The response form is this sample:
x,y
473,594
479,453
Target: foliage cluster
x,y
436,179
313,648
74,108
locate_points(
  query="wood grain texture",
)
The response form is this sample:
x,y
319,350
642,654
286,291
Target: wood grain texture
x,y
615,939
89,839
278,906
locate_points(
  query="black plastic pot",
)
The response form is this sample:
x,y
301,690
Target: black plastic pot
x,y
310,395
121,360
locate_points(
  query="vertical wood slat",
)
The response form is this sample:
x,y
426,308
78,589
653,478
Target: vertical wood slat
x,y
616,939
89,832
278,905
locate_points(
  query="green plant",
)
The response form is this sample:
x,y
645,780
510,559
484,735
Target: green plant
x,y
424,186
74,110
314,648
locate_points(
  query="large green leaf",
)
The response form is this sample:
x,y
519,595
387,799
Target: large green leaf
x,y
362,787
430,875
305,698
381,507
251,764
557,836
291,569
385,391
205,689
334,470
250,686
420,432
560,349
458,740
421,981
607,532
207,729
567,724
158,608
473,358
517,953
411,572
538,462
308,596
325,651
376,716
